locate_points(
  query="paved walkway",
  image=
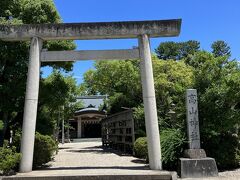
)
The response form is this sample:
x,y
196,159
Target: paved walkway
x,y
88,158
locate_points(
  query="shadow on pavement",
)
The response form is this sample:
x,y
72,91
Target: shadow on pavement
x,y
97,167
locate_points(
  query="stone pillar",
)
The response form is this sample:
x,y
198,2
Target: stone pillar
x,y
195,163
30,107
79,128
149,100
63,128
194,150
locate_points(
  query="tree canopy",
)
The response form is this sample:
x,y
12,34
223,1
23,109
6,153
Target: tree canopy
x,y
220,48
177,50
14,55
57,91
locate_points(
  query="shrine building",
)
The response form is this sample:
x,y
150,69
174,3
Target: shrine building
x,y
86,122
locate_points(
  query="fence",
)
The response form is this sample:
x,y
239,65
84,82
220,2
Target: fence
x,y
118,131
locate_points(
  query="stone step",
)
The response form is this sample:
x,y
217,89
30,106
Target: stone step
x,y
160,176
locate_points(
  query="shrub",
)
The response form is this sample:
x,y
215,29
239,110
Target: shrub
x,y
9,159
140,133
225,148
17,140
140,148
44,149
173,143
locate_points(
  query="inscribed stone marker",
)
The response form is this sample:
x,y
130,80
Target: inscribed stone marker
x,y
192,119
195,163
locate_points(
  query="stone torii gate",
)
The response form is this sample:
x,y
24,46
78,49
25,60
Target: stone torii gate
x,y
143,30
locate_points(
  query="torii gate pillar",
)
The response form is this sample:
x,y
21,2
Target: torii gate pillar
x,y
150,108
30,107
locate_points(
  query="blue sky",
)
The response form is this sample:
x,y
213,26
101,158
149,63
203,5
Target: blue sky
x,y
202,20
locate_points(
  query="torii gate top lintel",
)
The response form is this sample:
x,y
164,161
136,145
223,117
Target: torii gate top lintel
x,y
85,31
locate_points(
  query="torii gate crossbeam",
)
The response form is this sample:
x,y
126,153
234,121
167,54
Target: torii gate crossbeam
x,y
143,30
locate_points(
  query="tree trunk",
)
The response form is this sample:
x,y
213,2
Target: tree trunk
x,y
3,132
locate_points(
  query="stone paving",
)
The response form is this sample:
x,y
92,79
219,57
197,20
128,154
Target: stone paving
x,y
88,158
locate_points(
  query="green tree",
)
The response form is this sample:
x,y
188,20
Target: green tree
x,y
12,81
220,48
119,79
176,51
168,50
56,91
14,55
171,78
188,48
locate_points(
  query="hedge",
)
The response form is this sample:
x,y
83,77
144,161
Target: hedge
x,y
9,159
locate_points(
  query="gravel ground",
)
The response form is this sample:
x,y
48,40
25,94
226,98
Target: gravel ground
x,y
225,175
233,173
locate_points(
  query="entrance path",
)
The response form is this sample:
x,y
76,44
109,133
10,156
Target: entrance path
x,y
87,158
